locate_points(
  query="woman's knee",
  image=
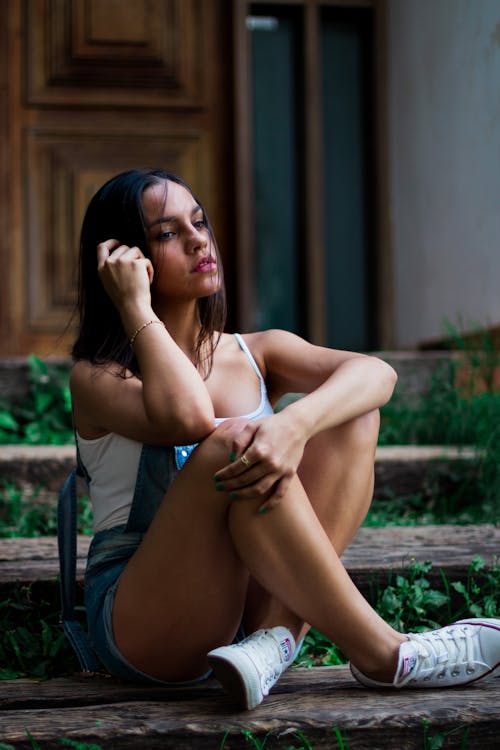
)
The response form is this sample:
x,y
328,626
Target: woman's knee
x,y
219,444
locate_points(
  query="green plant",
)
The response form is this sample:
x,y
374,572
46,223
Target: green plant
x,y
451,413
436,741
317,650
64,741
249,737
79,745
44,417
33,643
480,593
340,740
258,744
26,513
410,604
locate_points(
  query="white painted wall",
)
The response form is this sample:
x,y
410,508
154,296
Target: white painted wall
x,y
444,145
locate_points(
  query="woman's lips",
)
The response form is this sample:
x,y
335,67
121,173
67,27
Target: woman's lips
x,y
205,265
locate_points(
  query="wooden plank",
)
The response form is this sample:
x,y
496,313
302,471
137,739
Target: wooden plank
x,y
313,701
374,549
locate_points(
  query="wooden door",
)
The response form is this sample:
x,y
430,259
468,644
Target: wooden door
x,y
89,88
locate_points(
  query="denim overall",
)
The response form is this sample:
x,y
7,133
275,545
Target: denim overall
x,y
109,553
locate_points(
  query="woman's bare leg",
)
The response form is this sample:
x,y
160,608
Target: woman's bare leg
x,y
191,570
337,473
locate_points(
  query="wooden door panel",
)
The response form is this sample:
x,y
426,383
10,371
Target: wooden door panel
x,y
147,53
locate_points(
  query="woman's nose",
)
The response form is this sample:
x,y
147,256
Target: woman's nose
x,y
197,239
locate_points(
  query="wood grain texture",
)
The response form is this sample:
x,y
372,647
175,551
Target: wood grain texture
x,y
112,714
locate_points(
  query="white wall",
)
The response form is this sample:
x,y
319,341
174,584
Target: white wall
x,y
444,145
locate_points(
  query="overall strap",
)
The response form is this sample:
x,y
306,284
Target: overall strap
x,y
67,510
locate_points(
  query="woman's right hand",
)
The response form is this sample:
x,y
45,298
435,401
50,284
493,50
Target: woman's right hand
x,y
125,274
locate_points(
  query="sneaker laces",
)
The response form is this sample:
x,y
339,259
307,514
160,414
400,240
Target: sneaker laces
x,y
265,653
441,650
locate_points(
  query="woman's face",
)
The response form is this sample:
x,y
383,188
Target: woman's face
x,y
182,251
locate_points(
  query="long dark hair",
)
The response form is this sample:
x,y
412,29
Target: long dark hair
x,y
116,212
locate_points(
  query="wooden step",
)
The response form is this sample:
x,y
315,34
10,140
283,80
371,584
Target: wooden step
x,y
317,702
374,554
403,468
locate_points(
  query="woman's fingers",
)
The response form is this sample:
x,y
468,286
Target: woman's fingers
x,y
277,495
104,250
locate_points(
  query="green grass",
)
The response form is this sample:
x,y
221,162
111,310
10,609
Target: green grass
x,y
430,740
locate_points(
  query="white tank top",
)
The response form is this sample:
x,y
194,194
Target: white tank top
x,y
112,462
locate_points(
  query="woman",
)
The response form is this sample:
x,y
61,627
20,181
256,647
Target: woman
x,y
214,516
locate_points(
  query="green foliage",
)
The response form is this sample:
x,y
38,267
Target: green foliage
x,y
446,414
460,505
318,651
480,594
79,745
33,643
436,741
342,745
31,514
410,604
44,417
461,407
64,741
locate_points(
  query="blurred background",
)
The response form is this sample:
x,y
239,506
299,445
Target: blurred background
x,y
348,154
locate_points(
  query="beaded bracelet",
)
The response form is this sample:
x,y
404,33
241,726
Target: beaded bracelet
x,y
141,328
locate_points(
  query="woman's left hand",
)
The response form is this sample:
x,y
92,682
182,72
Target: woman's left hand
x,y
266,455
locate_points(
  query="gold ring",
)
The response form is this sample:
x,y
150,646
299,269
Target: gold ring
x,y
244,460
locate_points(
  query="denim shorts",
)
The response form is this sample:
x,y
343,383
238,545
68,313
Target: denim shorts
x,y
109,553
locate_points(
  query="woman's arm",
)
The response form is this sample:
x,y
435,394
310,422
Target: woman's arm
x,y
339,386
171,402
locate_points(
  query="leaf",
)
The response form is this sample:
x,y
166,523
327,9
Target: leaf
x,y
460,588
7,421
42,401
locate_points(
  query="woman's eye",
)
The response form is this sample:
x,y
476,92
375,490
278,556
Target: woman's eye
x,y
200,223
166,235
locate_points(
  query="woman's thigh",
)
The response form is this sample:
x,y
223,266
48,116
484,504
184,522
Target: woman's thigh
x,y
183,591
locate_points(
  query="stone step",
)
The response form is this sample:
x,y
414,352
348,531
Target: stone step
x,y
323,704
402,468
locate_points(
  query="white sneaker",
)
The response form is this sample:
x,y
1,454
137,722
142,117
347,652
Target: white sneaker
x,y
248,670
456,655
